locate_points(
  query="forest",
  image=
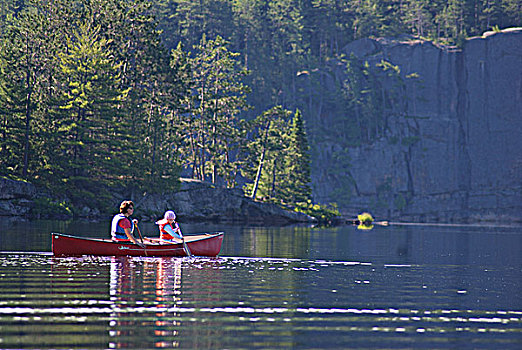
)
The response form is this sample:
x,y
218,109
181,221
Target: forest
x,y
99,97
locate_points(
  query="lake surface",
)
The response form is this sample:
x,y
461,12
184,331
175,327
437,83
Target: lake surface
x,y
270,288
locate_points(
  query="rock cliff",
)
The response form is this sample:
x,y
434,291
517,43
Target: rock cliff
x,y
196,201
454,150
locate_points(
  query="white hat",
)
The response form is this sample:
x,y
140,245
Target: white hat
x,y
170,215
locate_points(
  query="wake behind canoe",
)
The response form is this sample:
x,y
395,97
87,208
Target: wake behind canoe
x,y
207,244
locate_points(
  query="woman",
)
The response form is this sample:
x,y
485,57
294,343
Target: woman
x,y
169,228
122,226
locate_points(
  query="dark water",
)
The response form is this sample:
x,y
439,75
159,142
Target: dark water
x,y
392,287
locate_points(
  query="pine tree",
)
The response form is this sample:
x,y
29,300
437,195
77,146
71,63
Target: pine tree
x,y
286,49
416,15
11,114
91,129
492,13
219,96
25,82
511,14
186,21
154,92
279,159
297,164
453,20
369,18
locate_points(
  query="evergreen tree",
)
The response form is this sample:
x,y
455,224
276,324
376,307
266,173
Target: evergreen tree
x,y
492,12
286,49
297,164
453,20
90,128
252,38
511,15
134,39
251,30
369,18
186,21
11,113
328,26
218,98
27,69
416,15
279,159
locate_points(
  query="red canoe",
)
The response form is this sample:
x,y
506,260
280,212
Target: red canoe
x,y
207,244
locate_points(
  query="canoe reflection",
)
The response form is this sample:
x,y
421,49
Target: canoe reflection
x,y
144,287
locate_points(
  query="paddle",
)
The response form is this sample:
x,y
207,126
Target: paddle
x,y
185,246
141,238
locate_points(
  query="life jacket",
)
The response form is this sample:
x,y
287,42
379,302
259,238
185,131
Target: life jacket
x,y
164,234
118,233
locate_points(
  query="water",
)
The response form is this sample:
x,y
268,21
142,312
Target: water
x,y
271,288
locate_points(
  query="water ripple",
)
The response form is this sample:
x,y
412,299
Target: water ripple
x,y
236,302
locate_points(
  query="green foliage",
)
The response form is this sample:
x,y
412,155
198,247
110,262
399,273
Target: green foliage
x,y
418,18
265,154
87,111
365,218
25,69
47,208
297,163
278,162
212,131
325,214
83,94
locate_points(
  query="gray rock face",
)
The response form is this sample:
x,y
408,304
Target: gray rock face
x,y
16,197
200,201
455,149
196,201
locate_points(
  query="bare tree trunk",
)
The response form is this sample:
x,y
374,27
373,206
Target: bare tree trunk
x,y
27,119
273,189
154,138
26,136
261,161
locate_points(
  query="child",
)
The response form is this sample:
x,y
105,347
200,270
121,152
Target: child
x,y
169,228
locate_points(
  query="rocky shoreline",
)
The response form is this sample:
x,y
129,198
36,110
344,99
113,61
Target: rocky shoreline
x,y
196,201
